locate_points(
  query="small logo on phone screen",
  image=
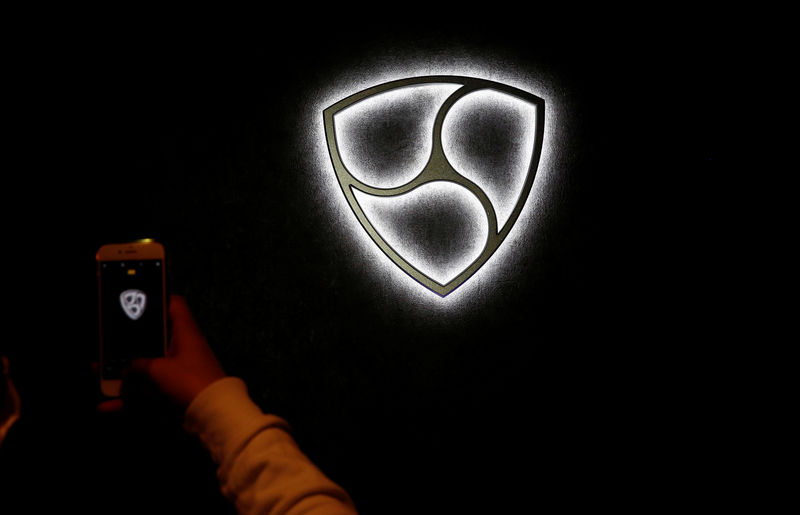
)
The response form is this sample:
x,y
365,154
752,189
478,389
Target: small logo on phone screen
x,y
133,303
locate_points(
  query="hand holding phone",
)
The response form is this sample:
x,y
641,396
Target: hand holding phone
x,y
189,367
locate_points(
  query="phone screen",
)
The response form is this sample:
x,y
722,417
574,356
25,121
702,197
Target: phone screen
x,y
132,304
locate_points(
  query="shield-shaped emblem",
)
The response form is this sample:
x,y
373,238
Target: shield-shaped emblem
x,y
133,303
436,164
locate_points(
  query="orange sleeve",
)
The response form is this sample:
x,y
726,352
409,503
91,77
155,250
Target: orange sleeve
x,y
260,467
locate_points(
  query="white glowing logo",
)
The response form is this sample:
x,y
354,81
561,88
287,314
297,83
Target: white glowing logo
x,y
133,303
437,169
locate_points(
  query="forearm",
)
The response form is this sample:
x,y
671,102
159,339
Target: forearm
x,y
261,469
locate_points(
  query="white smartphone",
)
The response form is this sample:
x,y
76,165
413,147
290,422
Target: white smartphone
x,y
132,305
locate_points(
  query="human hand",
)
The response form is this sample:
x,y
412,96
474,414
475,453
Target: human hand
x,y
189,367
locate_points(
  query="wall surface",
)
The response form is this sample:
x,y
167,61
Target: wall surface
x,y
550,378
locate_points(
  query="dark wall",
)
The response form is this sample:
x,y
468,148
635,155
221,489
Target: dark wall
x,y
562,382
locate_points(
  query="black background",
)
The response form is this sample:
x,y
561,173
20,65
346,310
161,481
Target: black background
x,y
579,381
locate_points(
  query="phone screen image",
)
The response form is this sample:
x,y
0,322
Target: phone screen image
x,y
132,316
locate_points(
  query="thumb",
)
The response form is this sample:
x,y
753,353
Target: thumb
x,y
157,369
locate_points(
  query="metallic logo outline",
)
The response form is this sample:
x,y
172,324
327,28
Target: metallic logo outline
x,y
437,168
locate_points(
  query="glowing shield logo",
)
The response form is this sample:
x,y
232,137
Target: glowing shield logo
x,y
460,152
133,303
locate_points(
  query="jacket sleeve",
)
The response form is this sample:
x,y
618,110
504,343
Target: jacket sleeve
x,y
260,467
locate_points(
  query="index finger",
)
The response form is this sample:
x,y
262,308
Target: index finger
x,y
185,331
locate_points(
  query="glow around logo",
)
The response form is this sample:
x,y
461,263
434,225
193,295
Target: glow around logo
x,y
437,169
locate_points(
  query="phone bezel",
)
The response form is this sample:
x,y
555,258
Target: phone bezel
x,y
146,249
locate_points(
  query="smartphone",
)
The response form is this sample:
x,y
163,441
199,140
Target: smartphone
x,y
132,303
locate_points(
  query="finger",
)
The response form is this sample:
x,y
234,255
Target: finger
x,y
110,406
185,331
140,366
144,366
159,370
